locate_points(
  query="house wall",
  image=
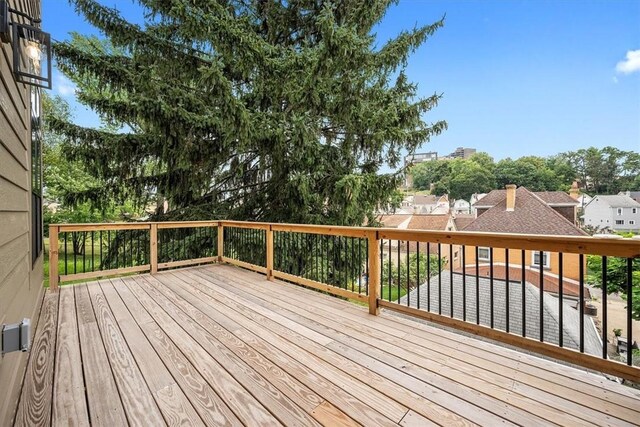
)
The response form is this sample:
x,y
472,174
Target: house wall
x,y
569,212
631,220
21,287
601,214
571,262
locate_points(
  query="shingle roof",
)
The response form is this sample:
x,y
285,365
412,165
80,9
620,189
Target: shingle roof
x,y
549,197
429,296
555,197
618,201
393,220
429,222
463,220
530,216
425,199
492,198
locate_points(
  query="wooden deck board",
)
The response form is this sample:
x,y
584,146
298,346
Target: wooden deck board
x,y
494,383
219,345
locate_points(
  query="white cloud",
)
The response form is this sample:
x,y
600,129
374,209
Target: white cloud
x,y
631,64
64,86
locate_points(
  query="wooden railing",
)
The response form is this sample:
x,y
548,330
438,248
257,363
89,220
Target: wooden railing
x,y
529,291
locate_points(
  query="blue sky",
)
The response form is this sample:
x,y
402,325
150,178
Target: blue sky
x,y
518,77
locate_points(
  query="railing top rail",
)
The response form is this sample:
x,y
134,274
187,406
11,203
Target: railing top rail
x,y
627,248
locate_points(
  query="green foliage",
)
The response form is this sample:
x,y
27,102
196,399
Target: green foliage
x,y
617,278
607,170
274,111
404,273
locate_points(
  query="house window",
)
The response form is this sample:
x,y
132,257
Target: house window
x,y
634,210
619,211
619,222
632,222
546,259
36,175
483,254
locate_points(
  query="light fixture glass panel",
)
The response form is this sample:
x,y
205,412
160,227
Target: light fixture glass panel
x,y
31,55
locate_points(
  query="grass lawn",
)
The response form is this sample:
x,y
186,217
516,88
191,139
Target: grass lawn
x,y
395,295
79,267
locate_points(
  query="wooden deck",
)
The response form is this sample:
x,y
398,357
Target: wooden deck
x,y
218,345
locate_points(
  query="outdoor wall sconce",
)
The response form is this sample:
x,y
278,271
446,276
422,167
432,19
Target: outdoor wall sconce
x,y
31,47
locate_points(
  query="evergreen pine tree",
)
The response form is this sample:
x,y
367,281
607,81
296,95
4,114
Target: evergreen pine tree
x,y
254,109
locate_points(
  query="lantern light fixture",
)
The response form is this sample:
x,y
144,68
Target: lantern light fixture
x,y
31,47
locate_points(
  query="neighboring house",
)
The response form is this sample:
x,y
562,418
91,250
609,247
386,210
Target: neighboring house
x,y
461,206
429,296
620,213
560,201
462,220
474,199
424,204
21,237
635,195
524,212
419,222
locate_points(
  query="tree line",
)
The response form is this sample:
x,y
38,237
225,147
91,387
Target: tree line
x,y
599,171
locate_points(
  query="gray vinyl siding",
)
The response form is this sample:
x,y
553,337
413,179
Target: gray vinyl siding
x,y
599,213
20,280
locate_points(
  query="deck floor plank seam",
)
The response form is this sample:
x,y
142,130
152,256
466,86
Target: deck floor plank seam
x,y
219,345
582,405
248,409
280,405
104,402
565,385
139,404
207,402
35,403
318,349
313,378
560,374
480,400
535,402
176,410
69,402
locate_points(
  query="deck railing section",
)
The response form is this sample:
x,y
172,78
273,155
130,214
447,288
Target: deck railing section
x,y
524,290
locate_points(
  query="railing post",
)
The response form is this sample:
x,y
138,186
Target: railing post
x,y
373,280
269,253
153,231
220,241
53,258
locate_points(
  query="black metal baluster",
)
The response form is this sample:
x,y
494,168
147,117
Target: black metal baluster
x,y
428,276
439,279
477,285
352,265
359,265
389,290
100,236
604,310
408,273
629,307
524,292
451,279
399,243
93,258
506,289
418,284
541,296
109,257
581,301
491,311
560,300
73,247
84,251
464,283
66,250
139,250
